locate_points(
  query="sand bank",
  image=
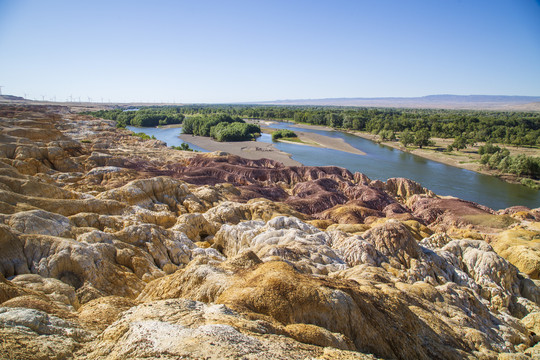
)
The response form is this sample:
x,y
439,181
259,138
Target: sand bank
x,y
318,140
246,149
312,139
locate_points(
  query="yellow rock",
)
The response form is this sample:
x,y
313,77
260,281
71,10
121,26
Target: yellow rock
x,y
465,234
321,224
522,248
418,230
100,313
316,335
349,228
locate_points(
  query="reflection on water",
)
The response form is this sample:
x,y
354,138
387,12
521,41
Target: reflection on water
x,y
382,162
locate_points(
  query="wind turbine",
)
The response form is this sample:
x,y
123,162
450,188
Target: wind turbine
x,y
1,90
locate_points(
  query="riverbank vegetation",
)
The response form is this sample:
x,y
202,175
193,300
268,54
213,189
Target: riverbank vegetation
x,y
411,127
521,165
283,134
146,117
510,128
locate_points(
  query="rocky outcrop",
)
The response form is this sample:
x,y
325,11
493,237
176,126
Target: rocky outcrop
x,y
285,238
185,328
34,334
404,189
113,247
522,248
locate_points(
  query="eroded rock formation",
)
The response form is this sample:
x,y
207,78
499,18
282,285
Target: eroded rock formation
x,y
114,247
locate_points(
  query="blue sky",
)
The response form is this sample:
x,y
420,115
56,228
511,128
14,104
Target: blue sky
x,y
232,51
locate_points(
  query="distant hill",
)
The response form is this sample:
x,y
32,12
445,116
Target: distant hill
x,y
11,97
475,102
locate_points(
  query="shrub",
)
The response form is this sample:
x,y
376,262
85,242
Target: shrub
x,y
144,136
279,134
183,147
488,149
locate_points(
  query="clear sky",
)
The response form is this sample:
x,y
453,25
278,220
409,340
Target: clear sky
x,y
232,51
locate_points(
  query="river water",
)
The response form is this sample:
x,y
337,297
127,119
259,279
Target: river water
x,y
168,135
382,162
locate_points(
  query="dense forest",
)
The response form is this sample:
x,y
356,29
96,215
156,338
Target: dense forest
x,y
409,126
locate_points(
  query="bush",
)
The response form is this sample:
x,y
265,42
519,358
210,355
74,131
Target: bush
x,y
530,183
279,134
234,131
521,165
488,149
183,147
144,136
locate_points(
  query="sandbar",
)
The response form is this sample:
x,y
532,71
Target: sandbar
x,y
318,140
247,149
312,139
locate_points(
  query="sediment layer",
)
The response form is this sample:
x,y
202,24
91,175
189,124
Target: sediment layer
x,y
116,247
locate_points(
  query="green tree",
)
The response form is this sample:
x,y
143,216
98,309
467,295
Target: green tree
x,y
459,143
422,138
406,138
387,135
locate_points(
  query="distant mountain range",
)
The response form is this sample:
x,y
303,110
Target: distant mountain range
x,y
476,102
472,102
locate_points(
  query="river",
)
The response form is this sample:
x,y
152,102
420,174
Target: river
x,y
382,162
166,134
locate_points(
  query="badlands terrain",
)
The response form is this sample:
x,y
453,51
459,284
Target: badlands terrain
x,y
114,247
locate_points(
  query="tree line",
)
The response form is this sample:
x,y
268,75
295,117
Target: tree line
x,y
409,126
510,128
504,127
146,117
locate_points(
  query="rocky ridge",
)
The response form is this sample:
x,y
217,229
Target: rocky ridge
x,y
116,247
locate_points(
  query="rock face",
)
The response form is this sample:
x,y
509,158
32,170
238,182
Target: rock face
x,y
116,247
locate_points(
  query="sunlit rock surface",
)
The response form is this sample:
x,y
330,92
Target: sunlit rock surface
x,y
112,247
